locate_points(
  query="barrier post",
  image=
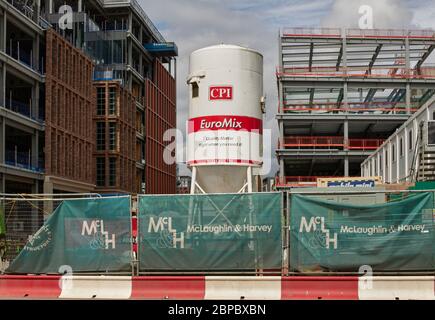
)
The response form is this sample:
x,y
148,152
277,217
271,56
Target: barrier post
x,y
285,234
135,235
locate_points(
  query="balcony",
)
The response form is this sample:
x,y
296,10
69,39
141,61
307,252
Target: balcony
x,y
140,12
24,109
20,46
23,160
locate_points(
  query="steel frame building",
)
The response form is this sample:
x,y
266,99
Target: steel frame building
x,y
342,92
117,41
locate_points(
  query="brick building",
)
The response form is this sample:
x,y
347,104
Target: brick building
x,y
69,107
84,109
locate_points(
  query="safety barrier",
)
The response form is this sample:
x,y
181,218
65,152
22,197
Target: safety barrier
x,y
351,107
331,142
399,72
224,287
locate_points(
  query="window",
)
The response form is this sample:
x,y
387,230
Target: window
x,y
381,167
112,172
101,101
101,174
401,147
410,140
431,133
112,136
101,136
393,151
195,90
112,101
386,158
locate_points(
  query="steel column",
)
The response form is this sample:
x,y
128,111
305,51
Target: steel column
x,y
2,140
3,86
3,31
408,67
346,145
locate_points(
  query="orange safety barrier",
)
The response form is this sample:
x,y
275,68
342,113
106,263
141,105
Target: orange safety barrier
x,y
388,110
314,141
389,107
332,141
364,144
392,72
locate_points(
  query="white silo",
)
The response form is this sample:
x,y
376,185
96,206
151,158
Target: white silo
x,y
225,126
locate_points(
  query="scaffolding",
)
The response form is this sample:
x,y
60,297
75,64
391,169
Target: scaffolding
x,y
346,90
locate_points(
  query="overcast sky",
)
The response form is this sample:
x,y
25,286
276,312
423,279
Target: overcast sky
x,y
194,24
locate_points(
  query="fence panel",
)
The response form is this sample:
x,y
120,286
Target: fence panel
x,y
87,235
210,232
392,236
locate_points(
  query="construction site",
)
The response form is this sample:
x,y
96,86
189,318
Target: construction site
x,y
91,209
342,93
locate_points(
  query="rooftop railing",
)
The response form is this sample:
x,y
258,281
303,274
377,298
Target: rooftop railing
x,y
357,33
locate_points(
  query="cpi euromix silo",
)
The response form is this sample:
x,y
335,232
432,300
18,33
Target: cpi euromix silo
x,y
225,126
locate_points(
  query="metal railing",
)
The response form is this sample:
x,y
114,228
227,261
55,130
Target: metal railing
x,y
23,7
22,56
358,33
331,141
27,10
399,72
311,32
137,7
24,109
389,33
352,107
24,160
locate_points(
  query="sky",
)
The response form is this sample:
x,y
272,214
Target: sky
x,y
193,24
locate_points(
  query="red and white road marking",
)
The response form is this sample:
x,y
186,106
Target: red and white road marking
x,y
218,287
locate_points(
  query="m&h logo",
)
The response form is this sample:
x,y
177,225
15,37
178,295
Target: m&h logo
x,y
313,225
163,225
101,240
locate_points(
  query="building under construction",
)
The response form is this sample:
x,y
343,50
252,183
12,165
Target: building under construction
x,y
86,94
342,93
